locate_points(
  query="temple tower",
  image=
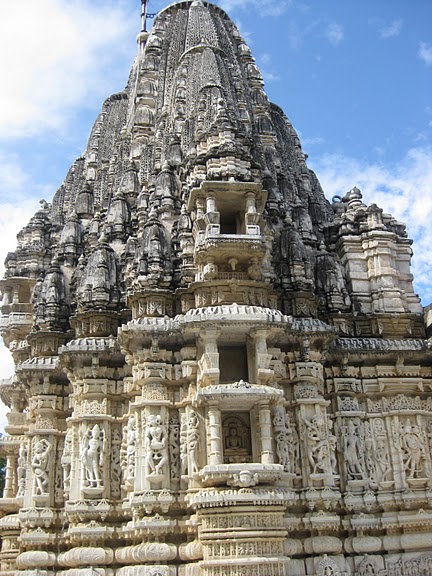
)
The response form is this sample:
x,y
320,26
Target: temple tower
x,y
218,372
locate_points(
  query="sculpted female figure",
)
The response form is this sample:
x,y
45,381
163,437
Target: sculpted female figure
x,y
92,453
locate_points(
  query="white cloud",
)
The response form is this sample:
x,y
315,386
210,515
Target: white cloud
x,y
334,33
18,202
46,68
391,30
425,53
403,190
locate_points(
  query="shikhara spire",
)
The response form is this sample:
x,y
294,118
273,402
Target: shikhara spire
x,y
218,372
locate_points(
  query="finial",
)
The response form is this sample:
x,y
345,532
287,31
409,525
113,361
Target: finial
x,y
144,15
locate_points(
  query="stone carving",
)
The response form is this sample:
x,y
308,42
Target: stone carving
x,y
287,442
115,465
321,444
353,441
193,442
381,451
22,469
174,449
192,228
413,446
236,438
93,456
156,446
66,459
129,448
40,463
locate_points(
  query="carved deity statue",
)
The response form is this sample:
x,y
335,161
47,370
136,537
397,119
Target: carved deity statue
x,y
321,445
413,450
92,456
40,464
193,442
130,449
287,441
156,445
353,451
66,459
381,452
22,469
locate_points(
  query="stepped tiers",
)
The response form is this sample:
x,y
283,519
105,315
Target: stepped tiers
x,y
218,372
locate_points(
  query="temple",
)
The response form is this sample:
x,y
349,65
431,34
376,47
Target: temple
x,y
218,371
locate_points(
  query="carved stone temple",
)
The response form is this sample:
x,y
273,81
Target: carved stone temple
x,y
218,372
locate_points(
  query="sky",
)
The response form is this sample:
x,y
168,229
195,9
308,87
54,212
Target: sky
x,y
354,77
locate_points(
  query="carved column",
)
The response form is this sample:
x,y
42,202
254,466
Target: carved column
x,y
215,433
265,433
10,486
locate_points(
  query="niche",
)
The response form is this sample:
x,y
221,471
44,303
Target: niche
x,y
233,364
231,223
236,436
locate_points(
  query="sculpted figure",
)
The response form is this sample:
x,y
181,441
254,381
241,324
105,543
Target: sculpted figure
x,y
413,450
321,445
293,446
381,455
40,464
66,459
283,450
193,442
156,445
22,469
183,444
92,455
353,450
131,441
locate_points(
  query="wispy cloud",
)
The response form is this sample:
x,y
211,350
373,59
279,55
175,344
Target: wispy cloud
x,y
267,69
19,200
392,29
403,190
54,64
334,33
425,53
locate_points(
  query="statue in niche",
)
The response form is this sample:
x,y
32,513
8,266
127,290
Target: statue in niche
x,y
293,445
381,455
40,464
321,445
193,442
22,469
367,567
66,459
130,449
413,450
236,438
353,451
156,445
283,450
287,441
92,456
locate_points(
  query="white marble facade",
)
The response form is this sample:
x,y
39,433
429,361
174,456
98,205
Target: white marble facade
x,y
218,373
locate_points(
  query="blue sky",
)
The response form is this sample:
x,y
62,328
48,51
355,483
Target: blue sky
x,y
354,77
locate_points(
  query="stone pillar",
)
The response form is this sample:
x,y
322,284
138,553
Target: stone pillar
x,y
10,477
265,433
208,364
210,203
215,433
